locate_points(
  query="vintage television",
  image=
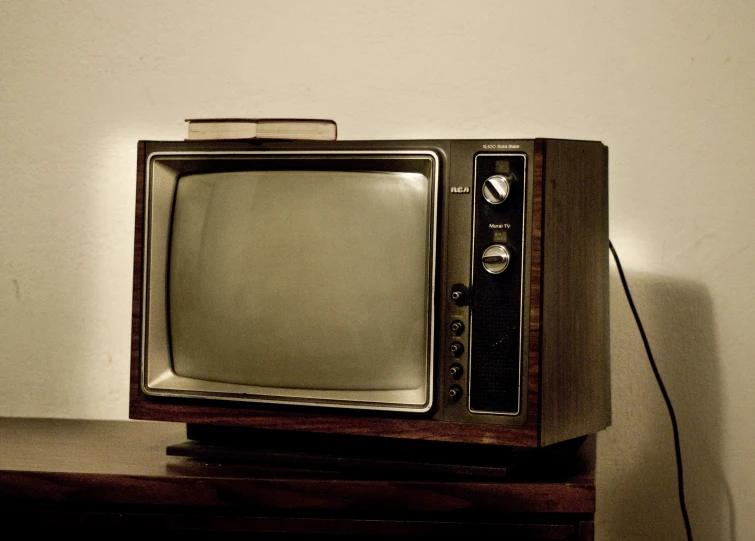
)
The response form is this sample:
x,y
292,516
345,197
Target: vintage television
x,y
448,290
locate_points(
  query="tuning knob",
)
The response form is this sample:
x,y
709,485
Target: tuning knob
x,y
495,258
495,189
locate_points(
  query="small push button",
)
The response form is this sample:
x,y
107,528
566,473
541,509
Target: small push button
x,y
459,294
455,392
456,370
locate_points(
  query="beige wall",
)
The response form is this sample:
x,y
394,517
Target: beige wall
x,y
669,86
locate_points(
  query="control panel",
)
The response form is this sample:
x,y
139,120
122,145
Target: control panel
x,y
495,298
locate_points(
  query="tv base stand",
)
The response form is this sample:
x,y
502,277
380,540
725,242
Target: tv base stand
x,y
371,456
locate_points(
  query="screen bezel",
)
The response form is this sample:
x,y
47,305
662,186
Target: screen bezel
x,y
162,171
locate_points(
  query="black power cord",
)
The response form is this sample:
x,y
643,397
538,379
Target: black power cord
x,y
677,445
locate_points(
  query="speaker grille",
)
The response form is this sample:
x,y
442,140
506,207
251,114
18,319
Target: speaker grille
x,y
495,371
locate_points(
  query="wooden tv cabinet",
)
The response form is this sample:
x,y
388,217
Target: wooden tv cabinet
x,y
103,475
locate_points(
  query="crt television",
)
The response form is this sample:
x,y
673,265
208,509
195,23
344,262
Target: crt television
x,y
451,290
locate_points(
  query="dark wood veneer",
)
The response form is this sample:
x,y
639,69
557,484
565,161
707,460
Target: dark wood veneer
x,y
341,423
67,474
136,306
536,286
575,370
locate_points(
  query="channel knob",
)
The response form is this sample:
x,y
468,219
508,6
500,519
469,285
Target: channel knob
x,y
495,258
495,189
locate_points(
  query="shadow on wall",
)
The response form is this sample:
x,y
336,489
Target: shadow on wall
x,y
637,483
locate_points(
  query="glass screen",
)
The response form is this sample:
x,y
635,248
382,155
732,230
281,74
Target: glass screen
x,y
302,279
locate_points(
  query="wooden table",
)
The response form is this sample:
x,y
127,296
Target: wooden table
x,y
63,474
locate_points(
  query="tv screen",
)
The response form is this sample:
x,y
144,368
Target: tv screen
x,y
309,280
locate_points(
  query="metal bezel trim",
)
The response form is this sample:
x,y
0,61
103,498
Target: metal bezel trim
x,y
296,400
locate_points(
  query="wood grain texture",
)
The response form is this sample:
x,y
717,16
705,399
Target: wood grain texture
x,y
340,423
575,326
300,494
290,526
534,395
586,531
53,466
136,305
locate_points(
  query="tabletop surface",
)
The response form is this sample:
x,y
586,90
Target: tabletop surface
x,y
125,462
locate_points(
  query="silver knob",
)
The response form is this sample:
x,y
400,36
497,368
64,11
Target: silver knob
x,y
495,189
495,258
